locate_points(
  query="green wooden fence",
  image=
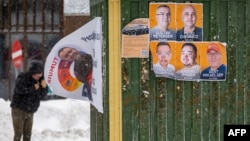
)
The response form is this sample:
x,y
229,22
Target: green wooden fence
x,y
100,122
161,109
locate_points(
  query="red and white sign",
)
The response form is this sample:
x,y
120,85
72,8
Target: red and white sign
x,y
17,54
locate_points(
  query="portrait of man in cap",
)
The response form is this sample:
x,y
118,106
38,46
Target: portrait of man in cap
x,y
216,70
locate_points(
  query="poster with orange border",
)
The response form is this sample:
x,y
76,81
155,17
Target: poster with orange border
x,y
175,21
162,21
213,61
192,61
187,61
189,22
135,39
163,55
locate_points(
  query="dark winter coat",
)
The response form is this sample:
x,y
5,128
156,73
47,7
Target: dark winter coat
x,y
25,96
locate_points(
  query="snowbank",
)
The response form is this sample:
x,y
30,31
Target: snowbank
x,y
55,120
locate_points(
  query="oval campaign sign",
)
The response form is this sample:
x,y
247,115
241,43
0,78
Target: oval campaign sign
x,y
17,54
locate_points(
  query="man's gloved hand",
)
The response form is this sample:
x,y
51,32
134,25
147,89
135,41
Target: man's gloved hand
x,y
43,83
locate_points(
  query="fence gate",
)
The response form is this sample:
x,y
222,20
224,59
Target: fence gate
x,y
184,111
161,109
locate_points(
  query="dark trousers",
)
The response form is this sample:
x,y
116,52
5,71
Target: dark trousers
x,y
22,123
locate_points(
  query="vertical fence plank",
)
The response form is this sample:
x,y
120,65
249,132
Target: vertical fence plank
x,y
223,26
196,112
214,92
231,77
170,106
161,109
128,105
241,55
147,104
205,86
247,76
187,110
179,112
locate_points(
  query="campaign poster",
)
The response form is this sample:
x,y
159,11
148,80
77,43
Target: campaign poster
x,y
176,21
187,61
73,68
135,39
162,21
163,55
189,22
190,61
213,61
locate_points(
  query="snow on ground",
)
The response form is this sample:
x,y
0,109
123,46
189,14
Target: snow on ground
x,y
55,120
